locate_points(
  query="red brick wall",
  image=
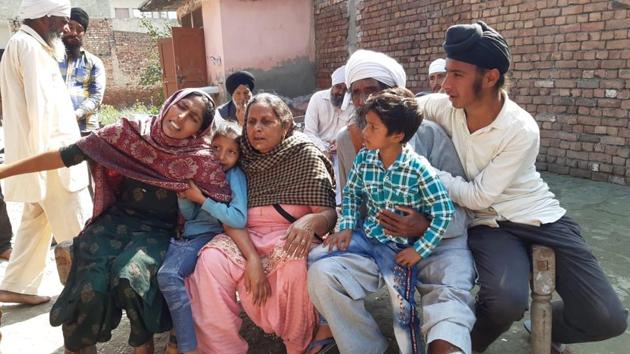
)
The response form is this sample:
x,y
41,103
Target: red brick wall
x,y
125,55
571,66
331,28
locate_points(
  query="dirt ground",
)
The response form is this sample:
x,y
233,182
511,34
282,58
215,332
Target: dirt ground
x,y
602,209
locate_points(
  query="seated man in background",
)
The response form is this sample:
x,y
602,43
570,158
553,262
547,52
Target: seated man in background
x,y
326,115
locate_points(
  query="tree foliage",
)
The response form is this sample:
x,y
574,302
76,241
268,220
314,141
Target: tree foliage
x,y
152,74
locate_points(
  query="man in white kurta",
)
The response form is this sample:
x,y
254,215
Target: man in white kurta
x,y
38,117
326,114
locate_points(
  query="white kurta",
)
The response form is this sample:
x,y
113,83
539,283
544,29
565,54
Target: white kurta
x,y
499,161
38,115
323,121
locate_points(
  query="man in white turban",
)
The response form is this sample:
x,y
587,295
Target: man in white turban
x,y
437,73
367,72
339,282
38,117
325,116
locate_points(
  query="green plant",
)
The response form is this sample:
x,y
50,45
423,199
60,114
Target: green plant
x,y
152,73
110,114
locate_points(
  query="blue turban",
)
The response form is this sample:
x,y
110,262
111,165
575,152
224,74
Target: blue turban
x,y
478,44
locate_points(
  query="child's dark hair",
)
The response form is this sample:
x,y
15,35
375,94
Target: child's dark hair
x,y
228,129
398,110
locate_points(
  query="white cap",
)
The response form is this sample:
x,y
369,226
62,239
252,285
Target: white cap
x,y
437,66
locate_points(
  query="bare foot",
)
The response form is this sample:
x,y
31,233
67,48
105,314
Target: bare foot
x,y
6,254
146,348
10,296
323,332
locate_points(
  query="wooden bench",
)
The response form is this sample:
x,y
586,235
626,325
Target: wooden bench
x,y
543,286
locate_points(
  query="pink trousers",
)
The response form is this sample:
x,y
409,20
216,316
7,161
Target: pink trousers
x,y
218,275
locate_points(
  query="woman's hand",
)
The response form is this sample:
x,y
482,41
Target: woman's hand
x,y
193,193
256,282
300,236
413,224
341,240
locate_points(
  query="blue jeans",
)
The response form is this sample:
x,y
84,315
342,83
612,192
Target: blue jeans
x,y
400,282
179,262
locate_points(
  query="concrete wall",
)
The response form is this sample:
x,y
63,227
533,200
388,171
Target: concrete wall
x,y
571,65
274,39
213,37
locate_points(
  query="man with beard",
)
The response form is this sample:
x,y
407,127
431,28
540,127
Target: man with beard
x,y
38,117
325,117
83,73
339,281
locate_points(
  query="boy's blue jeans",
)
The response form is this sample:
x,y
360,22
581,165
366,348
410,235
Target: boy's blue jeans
x,y
400,282
179,262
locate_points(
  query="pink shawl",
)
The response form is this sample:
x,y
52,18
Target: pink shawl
x,y
139,149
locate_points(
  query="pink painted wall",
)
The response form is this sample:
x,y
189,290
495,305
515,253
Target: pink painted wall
x,y
274,39
212,27
267,33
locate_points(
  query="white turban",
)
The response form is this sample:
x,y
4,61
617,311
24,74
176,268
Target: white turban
x,y
32,9
338,76
437,66
368,64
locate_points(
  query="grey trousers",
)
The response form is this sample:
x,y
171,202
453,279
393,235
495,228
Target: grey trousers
x,y
589,311
339,284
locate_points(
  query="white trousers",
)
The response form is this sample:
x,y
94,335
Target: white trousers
x,y
61,213
339,284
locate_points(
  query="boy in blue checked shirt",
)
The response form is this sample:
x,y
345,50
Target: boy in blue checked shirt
x,y
387,173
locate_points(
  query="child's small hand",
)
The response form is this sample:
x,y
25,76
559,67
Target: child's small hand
x,y
408,257
193,194
339,239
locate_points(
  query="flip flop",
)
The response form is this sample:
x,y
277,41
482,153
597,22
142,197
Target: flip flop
x,y
327,345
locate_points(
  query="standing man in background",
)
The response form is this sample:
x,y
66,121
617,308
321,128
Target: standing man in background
x,y
83,73
38,117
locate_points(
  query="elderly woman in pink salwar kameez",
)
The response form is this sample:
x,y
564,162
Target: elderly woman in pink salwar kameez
x,y
291,200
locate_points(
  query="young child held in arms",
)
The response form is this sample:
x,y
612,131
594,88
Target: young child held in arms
x,y
204,219
387,173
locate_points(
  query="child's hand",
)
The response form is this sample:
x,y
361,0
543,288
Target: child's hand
x,y
193,194
339,239
408,257
256,282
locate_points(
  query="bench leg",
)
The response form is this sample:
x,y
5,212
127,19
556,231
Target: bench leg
x,y
543,286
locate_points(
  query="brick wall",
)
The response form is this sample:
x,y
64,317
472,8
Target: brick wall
x,y
331,28
571,65
125,55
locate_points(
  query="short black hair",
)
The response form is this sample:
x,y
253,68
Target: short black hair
x,y
398,110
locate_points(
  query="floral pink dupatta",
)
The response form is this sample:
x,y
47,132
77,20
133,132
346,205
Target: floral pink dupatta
x,y
139,149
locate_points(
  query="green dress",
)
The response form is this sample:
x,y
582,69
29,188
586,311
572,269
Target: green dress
x,y
114,267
